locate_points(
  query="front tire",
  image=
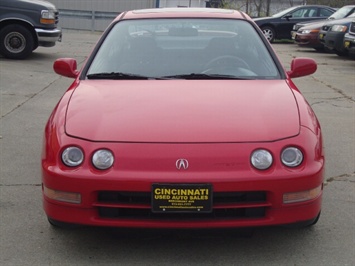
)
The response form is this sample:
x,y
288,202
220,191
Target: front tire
x,y
269,33
16,42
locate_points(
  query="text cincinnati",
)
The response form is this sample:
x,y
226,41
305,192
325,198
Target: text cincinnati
x,y
181,192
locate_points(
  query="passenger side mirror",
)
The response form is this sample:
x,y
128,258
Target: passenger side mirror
x,y
301,67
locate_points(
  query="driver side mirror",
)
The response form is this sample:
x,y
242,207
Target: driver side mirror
x,y
288,16
301,67
66,67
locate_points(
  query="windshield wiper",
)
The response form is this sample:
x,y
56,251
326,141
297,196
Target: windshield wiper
x,y
203,76
115,75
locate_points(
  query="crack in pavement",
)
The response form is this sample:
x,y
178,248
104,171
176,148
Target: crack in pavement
x,y
334,89
343,177
30,97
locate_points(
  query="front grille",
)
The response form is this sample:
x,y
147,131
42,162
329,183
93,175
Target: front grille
x,y
56,17
137,205
352,28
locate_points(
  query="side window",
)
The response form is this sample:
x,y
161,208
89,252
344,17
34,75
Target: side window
x,y
325,12
305,13
312,13
299,13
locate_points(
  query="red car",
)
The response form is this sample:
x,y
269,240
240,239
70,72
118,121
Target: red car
x,y
183,118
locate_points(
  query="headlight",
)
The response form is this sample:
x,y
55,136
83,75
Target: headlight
x,y
291,157
261,159
72,156
102,159
310,31
47,17
339,28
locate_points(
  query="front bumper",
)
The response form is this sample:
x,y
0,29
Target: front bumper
x,y
349,43
308,40
48,37
241,197
334,41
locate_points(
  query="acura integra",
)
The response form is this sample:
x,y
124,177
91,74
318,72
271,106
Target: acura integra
x,y
183,118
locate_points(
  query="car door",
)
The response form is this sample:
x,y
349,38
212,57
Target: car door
x,y
301,14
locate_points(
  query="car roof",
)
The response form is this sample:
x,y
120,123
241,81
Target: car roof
x,y
184,13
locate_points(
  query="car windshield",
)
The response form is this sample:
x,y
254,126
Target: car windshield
x,y
183,49
342,12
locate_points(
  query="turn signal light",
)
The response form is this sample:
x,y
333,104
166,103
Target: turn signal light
x,y
47,21
301,196
69,197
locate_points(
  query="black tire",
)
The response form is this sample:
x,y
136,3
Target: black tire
x,y
341,53
269,33
16,42
319,49
62,225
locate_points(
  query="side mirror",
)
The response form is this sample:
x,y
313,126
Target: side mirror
x,y
301,67
288,16
66,67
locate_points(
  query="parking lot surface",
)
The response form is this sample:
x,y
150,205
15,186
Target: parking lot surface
x,y
29,91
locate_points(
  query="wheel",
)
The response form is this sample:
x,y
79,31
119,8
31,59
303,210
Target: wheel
x,y
224,63
320,49
16,42
341,53
62,225
269,33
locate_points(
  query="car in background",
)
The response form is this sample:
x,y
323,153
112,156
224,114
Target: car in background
x,y
25,25
332,34
280,25
173,122
349,40
306,34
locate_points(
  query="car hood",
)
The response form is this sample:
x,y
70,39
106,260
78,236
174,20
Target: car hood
x,y
263,19
182,111
314,25
339,21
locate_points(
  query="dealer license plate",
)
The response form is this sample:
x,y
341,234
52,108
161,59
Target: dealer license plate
x,y
181,198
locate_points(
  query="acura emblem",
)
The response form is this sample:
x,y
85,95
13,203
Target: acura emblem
x,y
182,164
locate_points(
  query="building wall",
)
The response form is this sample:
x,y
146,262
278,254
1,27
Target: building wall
x,y
95,15
182,3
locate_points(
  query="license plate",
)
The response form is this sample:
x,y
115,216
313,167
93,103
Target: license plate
x,y
321,36
182,198
347,44
294,35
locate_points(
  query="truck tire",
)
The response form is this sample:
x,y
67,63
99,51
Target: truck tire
x,y
16,42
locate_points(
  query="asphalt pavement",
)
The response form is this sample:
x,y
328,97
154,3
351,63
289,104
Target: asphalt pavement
x,y
30,89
